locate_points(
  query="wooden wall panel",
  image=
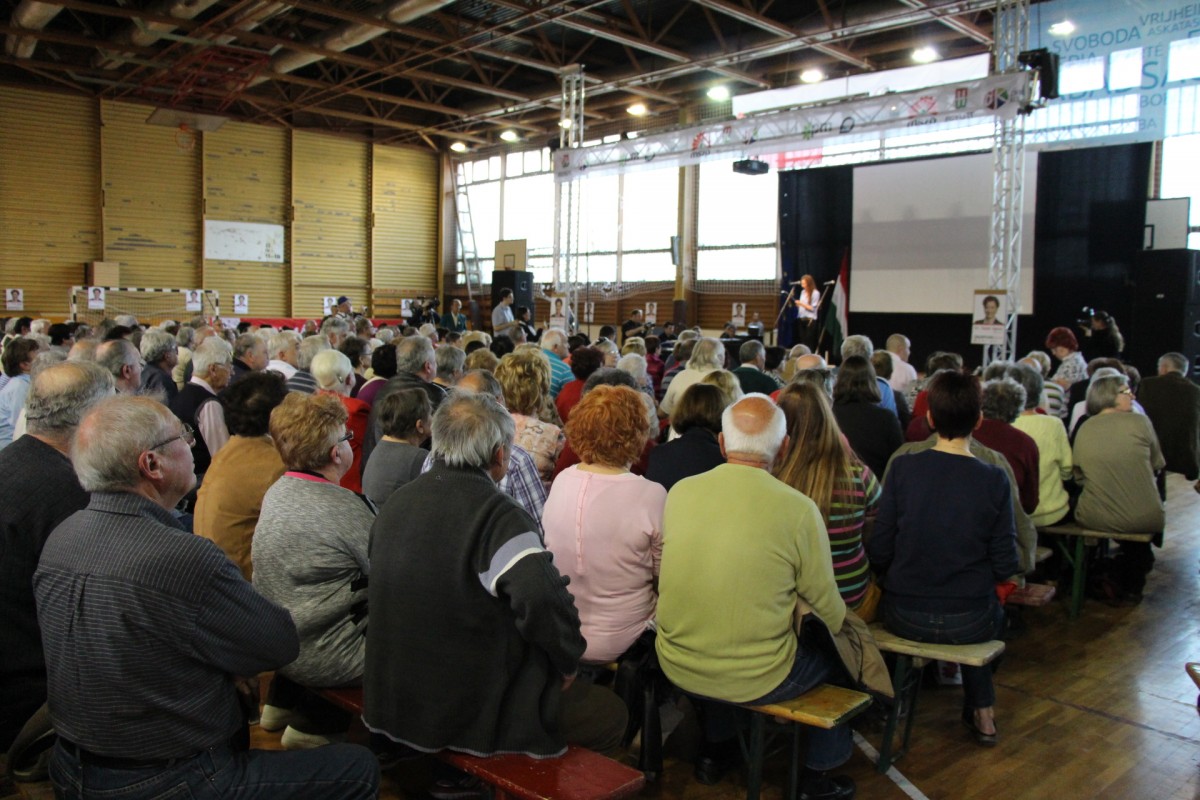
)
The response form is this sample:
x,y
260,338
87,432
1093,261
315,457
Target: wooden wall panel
x,y
49,196
247,178
404,200
331,196
151,200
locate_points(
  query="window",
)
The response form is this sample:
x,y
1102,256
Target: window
x,y
1076,77
1125,69
736,211
1181,176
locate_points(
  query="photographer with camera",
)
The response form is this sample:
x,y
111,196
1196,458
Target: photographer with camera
x,y
1102,338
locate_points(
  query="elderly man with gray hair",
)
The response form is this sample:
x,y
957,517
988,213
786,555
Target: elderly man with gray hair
x,y
752,356
123,362
859,345
335,329
302,379
735,537
197,406
160,352
283,350
474,642
38,492
554,345
141,619
416,367
1173,404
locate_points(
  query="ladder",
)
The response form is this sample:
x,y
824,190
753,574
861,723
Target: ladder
x,y
466,239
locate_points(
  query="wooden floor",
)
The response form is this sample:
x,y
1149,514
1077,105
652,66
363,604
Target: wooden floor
x,y
1096,708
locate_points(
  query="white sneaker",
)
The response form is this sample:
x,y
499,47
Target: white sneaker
x,y
299,740
274,718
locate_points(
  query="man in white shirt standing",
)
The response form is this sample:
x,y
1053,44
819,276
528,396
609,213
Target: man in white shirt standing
x,y
903,373
502,315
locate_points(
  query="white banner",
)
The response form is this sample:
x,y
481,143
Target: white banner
x,y
996,95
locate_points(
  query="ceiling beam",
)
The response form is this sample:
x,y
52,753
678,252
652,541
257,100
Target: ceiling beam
x,y
748,17
953,23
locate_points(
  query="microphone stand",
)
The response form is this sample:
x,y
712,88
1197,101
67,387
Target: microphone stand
x,y
787,303
820,305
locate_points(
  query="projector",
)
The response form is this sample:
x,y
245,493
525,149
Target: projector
x,y
751,166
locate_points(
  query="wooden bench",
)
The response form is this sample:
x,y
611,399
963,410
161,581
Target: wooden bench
x,y
1077,556
579,774
822,707
911,658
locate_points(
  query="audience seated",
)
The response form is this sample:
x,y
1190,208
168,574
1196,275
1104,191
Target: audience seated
x,y
873,431
18,361
38,492
145,623
753,656
404,418
944,536
696,423
706,355
1054,451
197,406
752,375
604,524
161,353
335,376
605,376
1003,401
310,553
302,380
383,369
1173,404
1072,369
1116,456
229,501
524,376
819,465
584,361
474,640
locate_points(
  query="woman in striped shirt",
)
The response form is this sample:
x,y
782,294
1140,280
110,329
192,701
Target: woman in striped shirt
x,y
821,465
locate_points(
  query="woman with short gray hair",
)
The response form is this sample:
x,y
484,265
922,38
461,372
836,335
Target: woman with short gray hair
x,y
1117,456
1054,451
334,375
707,355
1003,401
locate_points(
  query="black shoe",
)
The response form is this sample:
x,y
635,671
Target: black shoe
x,y
710,771
827,787
982,739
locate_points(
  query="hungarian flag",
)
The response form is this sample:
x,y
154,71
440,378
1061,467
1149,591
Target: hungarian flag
x,y
835,318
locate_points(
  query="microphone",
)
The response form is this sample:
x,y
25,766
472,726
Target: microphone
x,y
829,283
796,283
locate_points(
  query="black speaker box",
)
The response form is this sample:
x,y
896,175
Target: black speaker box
x,y
1166,308
521,283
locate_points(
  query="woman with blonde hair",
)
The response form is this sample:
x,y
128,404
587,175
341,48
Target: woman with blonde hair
x,y
820,465
707,355
727,382
334,375
604,524
525,378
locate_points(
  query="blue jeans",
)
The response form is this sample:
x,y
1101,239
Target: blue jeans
x,y
827,749
969,627
333,772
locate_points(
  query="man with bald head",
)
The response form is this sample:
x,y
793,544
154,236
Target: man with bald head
x,y
38,492
736,538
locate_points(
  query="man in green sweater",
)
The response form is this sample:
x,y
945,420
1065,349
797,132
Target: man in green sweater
x,y
739,549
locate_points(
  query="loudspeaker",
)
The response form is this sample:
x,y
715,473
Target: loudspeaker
x,y
1166,308
521,283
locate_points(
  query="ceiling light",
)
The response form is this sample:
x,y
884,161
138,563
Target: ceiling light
x,y
459,147
925,55
510,136
718,93
637,109
812,76
1064,28
564,123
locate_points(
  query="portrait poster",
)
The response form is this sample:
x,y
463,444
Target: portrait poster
x,y
95,298
651,315
192,301
989,312
589,312
14,299
328,304
241,304
558,313
738,317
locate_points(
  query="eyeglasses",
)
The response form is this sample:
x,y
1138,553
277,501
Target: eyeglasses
x,y
348,436
1127,391
187,434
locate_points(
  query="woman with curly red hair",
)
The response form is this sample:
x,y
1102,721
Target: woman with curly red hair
x,y
604,524
1063,345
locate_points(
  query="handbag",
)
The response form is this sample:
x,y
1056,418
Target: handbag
x,y
855,648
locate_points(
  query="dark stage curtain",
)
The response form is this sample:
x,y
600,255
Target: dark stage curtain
x,y
815,222
1090,215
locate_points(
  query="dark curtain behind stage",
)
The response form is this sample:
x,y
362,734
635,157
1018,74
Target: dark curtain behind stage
x,y
815,221
1090,214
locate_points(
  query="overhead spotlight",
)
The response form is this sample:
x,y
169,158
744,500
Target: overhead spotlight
x,y
1064,28
718,93
637,110
459,147
925,55
812,76
565,123
510,136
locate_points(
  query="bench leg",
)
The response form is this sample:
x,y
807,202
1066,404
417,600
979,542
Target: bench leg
x,y
794,764
754,759
907,683
650,755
